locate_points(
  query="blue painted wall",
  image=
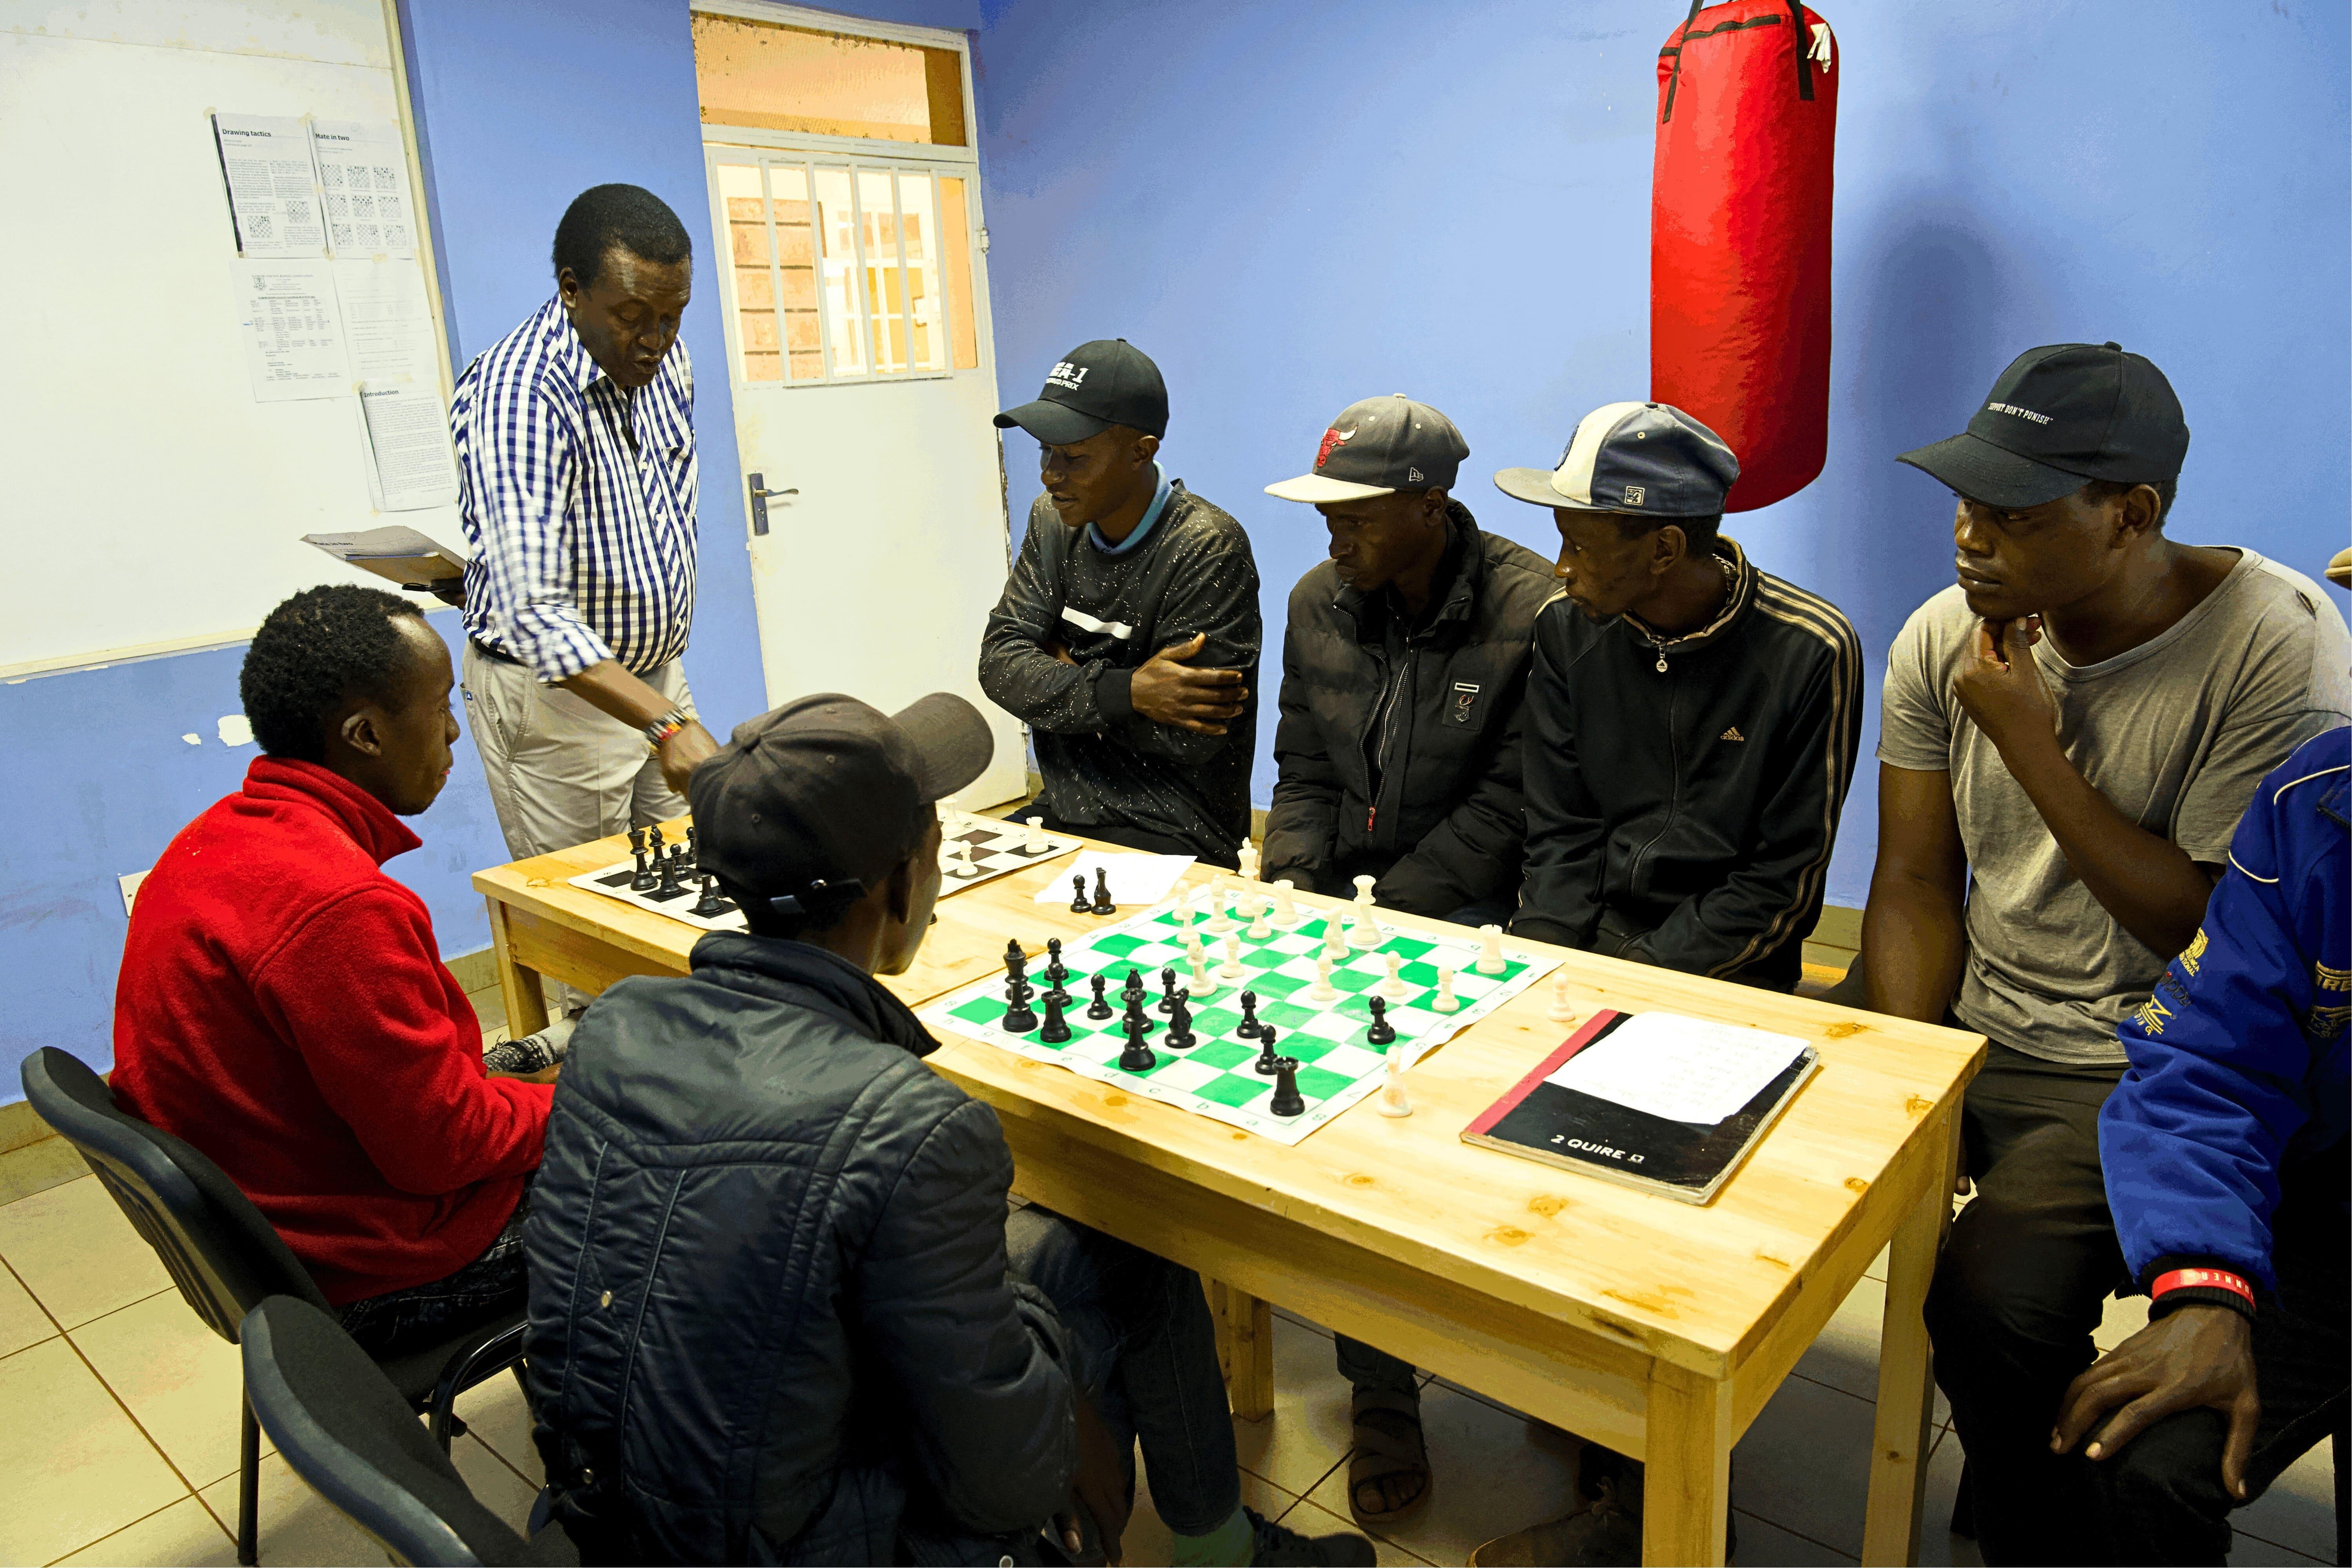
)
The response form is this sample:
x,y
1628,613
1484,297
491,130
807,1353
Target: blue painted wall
x,y
1294,206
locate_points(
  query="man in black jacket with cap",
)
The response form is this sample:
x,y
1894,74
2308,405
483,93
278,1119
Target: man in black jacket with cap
x,y
1128,635
778,1310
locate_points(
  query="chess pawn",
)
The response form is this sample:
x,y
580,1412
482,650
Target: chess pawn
x,y
1367,932
1167,1003
1266,1060
1322,990
1079,903
1249,1028
1286,914
1100,1007
1055,970
959,860
1490,949
1382,1032
1445,1001
1258,929
1559,1011
1230,969
1393,987
1392,1101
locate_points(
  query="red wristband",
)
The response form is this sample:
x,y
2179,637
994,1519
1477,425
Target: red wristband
x,y
2210,1279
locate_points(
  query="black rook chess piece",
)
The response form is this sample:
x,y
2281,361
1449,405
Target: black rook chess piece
x,y
1266,1060
1079,903
1099,1008
1381,1033
1102,904
1286,1101
1248,1028
1137,1057
1056,1028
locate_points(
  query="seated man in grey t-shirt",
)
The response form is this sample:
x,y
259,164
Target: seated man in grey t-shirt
x,y
2069,737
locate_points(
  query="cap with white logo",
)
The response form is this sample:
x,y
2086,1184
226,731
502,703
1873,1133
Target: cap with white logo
x,y
1377,448
2060,416
1095,386
1650,458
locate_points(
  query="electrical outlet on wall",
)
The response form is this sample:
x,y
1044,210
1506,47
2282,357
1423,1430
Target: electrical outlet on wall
x,y
130,880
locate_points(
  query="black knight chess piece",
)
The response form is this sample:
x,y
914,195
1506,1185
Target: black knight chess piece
x,y
1286,1101
1180,1023
1100,1007
1102,904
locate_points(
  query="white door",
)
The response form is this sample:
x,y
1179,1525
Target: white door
x,y
864,383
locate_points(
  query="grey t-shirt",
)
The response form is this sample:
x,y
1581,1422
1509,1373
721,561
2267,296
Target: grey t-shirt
x,y
2176,732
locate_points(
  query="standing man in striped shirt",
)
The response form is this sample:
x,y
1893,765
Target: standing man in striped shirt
x,y
575,455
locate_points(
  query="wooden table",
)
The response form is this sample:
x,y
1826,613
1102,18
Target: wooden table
x,y
1657,1328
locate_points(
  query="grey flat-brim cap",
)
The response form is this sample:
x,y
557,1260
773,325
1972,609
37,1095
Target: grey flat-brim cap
x,y
1650,459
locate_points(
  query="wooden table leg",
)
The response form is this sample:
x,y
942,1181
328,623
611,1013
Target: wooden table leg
x,y
525,1005
1899,1443
1686,1471
1244,1349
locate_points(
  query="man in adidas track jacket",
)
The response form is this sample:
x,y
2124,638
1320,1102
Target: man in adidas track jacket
x,y
1692,721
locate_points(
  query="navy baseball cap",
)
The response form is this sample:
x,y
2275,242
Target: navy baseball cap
x,y
1649,458
812,804
1377,448
1095,386
2059,418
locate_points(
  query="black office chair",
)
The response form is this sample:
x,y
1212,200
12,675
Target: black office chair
x,y
225,1258
347,1432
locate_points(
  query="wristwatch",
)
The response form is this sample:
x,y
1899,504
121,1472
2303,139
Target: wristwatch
x,y
668,725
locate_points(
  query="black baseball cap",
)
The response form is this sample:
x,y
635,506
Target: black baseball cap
x,y
812,805
1649,458
2059,418
1097,386
1377,448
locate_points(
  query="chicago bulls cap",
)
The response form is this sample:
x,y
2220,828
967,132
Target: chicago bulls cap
x,y
2059,418
1377,448
1095,386
1650,459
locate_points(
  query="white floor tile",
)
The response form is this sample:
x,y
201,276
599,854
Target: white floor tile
x,y
1804,1464
185,1535
77,1253
1846,1356
1308,1432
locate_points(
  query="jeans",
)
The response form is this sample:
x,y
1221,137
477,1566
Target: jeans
x,y
1143,1349
400,1321
2020,1287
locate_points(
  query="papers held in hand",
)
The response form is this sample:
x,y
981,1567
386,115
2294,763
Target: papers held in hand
x,y
402,554
1653,1099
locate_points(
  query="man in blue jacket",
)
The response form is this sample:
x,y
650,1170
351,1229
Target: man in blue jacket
x,y
2225,1161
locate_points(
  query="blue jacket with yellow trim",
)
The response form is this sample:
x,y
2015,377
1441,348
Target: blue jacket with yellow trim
x,y
2238,1061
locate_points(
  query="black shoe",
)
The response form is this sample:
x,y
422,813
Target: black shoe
x,y
1271,1546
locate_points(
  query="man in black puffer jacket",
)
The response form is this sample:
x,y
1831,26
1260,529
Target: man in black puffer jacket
x,y
1404,669
778,1311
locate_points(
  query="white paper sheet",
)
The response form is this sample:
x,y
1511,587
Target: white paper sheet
x,y
408,438
293,336
364,174
387,321
1684,1069
1134,879
266,161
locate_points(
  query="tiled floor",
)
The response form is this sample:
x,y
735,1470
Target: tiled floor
x,y
121,1443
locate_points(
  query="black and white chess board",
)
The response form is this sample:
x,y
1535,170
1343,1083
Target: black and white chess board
x,y
992,848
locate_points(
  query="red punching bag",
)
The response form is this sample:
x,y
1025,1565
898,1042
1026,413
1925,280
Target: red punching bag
x,y
1739,237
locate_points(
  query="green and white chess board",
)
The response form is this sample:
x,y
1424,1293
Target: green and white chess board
x,y
1215,1079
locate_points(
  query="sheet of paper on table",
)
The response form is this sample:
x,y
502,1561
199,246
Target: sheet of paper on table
x,y
1684,1069
1134,879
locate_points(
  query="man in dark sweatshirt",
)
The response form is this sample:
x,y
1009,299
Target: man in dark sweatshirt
x,y
1128,636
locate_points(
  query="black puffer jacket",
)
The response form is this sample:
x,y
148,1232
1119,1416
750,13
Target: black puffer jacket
x,y
1436,708
770,1317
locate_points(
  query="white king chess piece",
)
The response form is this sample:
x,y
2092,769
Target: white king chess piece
x,y
1490,949
1249,861
1033,842
1366,935
1286,914
1445,1001
1559,1011
1392,1101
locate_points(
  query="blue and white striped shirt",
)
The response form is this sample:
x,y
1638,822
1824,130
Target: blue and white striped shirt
x,y
583,542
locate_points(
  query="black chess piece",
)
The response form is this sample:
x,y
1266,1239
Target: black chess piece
x,y
1055,970
1018,1017
1180,1023
1137,1057
1133,990
668,887
1248,1029
1381,1033
1102,904
636,840
1286,1101
693,849
1056,1028
1016,963
1136,1020
654,845
713,903
643,881
1167,1003
1266,1060
1079,903
1100,1007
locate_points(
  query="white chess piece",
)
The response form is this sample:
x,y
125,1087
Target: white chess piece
x,y
960,859
1202,986
1185,908
1220,922
1392,989
1444,1000
1490,949
1335,944
1286,914
1230,969
1249,861
1258,929
1322,990
1559,1011
1034,842
1392,1097
1366,934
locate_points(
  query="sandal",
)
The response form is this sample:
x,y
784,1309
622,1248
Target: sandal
x,y
1388,1444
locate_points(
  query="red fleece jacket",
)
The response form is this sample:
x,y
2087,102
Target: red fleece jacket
x,y
283,1007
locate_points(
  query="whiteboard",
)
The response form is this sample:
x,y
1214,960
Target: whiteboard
x,y
151,503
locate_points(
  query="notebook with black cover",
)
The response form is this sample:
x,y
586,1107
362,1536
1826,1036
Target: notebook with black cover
x,y
1577,1132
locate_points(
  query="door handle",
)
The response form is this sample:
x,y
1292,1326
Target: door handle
x,y
760,494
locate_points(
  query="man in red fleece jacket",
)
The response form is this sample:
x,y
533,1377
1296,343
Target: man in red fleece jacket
x,y
283,1006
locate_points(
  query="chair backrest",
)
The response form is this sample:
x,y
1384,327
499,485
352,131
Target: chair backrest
x,y
220,1251
343,1427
